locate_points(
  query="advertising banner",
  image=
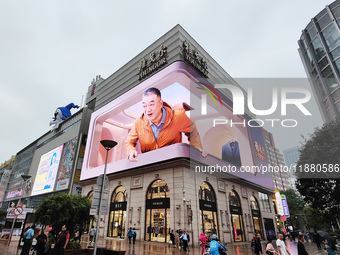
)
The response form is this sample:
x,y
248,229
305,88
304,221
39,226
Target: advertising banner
x,y
47,171
66,164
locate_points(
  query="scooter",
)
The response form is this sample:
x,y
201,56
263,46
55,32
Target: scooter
x,y
222,252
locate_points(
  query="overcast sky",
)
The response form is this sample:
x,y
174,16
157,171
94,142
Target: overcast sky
x,y
51,50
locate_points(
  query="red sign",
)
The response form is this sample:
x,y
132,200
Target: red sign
x,y
18,210
283,218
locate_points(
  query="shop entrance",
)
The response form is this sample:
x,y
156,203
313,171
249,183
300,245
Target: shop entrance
x,y
208,209
117,216
236,216
158,212
256,215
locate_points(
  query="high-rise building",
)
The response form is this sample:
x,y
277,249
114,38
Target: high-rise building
x,y
319,48
291,157
275,159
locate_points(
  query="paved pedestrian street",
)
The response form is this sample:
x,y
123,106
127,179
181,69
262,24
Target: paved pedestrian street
x,y
150,248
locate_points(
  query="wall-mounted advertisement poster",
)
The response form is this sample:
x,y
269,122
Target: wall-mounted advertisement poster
x,y
66,164
47,171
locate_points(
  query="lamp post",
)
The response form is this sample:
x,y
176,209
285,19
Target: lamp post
x,y
25,177
108,145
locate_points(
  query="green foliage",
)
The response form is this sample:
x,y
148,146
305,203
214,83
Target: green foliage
x,y
295,201
64,209
73,245
321,190
3,214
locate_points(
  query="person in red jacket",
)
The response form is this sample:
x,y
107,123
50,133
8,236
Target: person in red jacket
x,y
160,125
203,239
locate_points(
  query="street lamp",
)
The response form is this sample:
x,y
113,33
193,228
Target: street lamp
x,y
108,145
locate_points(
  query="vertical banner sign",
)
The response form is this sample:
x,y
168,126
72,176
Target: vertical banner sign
x,y
285,206
279,203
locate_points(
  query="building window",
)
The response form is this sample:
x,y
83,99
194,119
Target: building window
x,y
265,205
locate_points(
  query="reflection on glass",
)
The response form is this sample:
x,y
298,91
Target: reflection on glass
x,y
312,33
237,227
324,21
332,36
318,49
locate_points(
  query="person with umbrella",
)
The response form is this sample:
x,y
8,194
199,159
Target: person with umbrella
x,y
329,242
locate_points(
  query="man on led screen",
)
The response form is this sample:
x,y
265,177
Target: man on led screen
x,y
160,125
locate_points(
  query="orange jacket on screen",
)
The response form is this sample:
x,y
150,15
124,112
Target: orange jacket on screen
x,y
176,122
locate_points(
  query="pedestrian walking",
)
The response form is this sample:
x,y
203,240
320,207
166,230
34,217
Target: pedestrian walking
x,y
92,234
204,239
270,248
62,241
134,235
129,235
177,239
185,240
281,246
258,245
317,240
300,246
172,238
330,245
28,237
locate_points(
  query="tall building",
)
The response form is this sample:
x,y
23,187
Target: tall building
x,y
170,187
291,157
275,158
319,48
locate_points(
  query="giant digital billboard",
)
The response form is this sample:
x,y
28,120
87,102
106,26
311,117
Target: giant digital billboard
x,y
181,87
47,171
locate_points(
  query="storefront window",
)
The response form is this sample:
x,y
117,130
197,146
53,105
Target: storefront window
x,y
256,215
236,216
158,212
208,209
117,218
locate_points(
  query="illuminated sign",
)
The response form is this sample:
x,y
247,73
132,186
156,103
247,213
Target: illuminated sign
x,y
230,149
47,171
285,206
279,203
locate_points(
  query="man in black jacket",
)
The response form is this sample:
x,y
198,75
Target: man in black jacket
x,y
258,245
301,247
62,241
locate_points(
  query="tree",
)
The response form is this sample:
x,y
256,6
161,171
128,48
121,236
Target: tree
x,y
318,170
295,201
64,209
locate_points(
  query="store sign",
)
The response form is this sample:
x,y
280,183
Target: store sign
x,y
255,213
285,206
193,57
118,206
235,210
208,206
14,193
155,61
279,203
158,203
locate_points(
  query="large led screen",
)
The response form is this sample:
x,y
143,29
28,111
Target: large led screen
x,y
180,88
47,171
